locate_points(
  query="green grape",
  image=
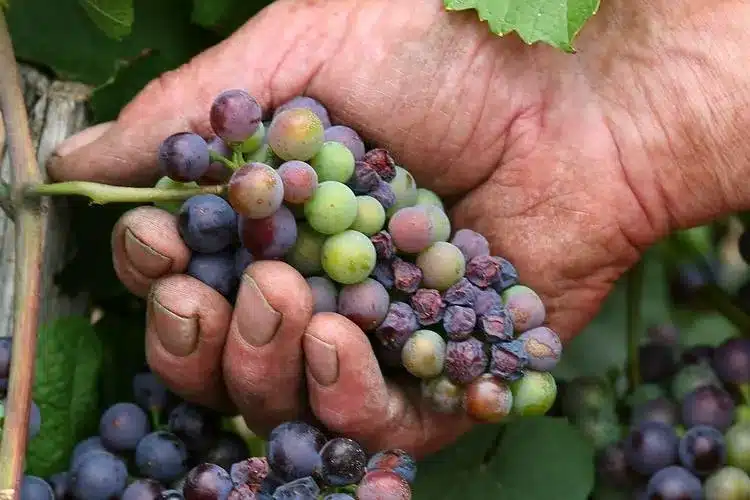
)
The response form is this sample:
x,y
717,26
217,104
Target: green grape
x,y
332,208
167,183
737,438
423,355
370,215
588,396
264,154
728,483
333,162
442,265
348,257
255,141
645,393
405,188
692,377
295,134
304,256
442,395
427,198
601,430
441,224
533,394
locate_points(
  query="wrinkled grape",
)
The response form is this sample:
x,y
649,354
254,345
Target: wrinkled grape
x,y
465,360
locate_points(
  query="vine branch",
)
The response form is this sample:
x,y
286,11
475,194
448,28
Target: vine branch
x,y
104,193
29,253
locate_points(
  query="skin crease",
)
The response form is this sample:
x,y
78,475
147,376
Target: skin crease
x,y
571,165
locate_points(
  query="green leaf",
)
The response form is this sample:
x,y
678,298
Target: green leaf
x,y
208,13
113,17
555,22
69,357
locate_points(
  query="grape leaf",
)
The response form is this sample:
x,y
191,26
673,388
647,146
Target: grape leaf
x,y
555,22
208,13
113,17
68,363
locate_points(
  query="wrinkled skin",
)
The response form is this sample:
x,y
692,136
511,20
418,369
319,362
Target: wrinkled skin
x,y
572,165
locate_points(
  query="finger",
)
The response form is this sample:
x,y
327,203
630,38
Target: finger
x,y
263,355
147,246
186,328
349,395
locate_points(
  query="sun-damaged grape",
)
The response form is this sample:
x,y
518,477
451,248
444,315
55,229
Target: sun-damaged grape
x,y
99,476
333,162
348,137
255,191
674,483
143,489
428,305
488,399
395,460
382,162
399,324
650,447
442,395
459,322
427,198
543,347
738,445
332,208
487,301
508,360
122,425
348,257
295,134
235,115
406,276
483,270
461,293
370,216
423,355
404,188
731,361
507,277
306,252
382,484
384,247
207,481
533,394
217,270
442,265
306,102
710,406
169,184
525,307
293,450
343,462
207,223
364,179
383,274
702,450
728,483
365,303
471,243
251,471
271,237
299,180
383,192
465,360
183,157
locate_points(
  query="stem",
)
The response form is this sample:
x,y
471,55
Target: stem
x,y
633,305
103,193
29,254
214,156
6,203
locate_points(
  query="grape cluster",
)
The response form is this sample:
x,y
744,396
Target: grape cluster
x,y
373,246
193,455
686,432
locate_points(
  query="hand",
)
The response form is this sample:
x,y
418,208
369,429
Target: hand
x,y
570,164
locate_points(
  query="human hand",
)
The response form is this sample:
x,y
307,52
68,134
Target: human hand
x,y
570,164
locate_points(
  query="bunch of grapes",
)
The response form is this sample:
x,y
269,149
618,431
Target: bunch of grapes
x,y
684,434
373,246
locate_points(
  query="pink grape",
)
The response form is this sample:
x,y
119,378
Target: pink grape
x,y
255,191
300,181
412,229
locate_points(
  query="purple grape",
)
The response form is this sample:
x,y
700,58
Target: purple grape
x,y
461,293
496,326
122,426
524,306
406,276
411,229
35,488
428,306
543,347
242,259
399,323
217,270
674,483
299,180
507,277
664,334
196,426
697,354
304,488
183,157
383,274
397,461
656,410
207,223
228,448
83,448
99,476
731,361
293,450
657,362
465,360
325,295
383,243
271,237
255,191
143,489
364,179
612,466
383,192
306,102
207,481
383,484
471,243
702,450
251,472
343,462
365,303
60,483
487,301
708,405
348,137
149,392
650,447
508,360
483,270
244,492
218,172
162,456
6,343
459,322
235,115
381,162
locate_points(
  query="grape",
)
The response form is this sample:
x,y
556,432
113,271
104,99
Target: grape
x,y
333,162
306,102
207,223
471,243
507,277
183,157
702,450
443,395
305,254
122,426
697,354
35,420
197,427
657,362
644,393
442,265
428,306
83,448
60,484
488,399
35,488
496,326
235,115
441,224
729,483
348,257
656,410
325,295
483,270
382,162
399,323
674,483
487,301
650,447
218,171
150,392
343,462
370,216
99,475
708,406
143,489
364,179
264,154
254,142
524,306
406,276
411,229
395,460
737,438
543,347
295,134
167,183
242,259
459,322
6,344
612,466
663,334
332,208
162,456
692,377
383,192
465,360
600,430
216,270
207,481
365,303
271,237
383,484
587,396
347,137
403,185
228,449
508,360
533,394
300,181
255,190
251,472
461,293
423,355
731,361
383,243
427,198
293,450
303,488
383,274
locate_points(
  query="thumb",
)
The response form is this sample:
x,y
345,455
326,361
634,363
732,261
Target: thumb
x,y
124,152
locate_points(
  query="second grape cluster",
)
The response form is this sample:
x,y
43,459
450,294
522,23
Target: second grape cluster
x,y
373,246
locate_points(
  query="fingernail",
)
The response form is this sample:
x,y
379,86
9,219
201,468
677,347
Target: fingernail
x,y
82,138
178,334
149,262
322,360
258,321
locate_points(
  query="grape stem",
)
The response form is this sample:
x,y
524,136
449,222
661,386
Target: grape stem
x,y
29,223
6,204
634,287
214,156
103,193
